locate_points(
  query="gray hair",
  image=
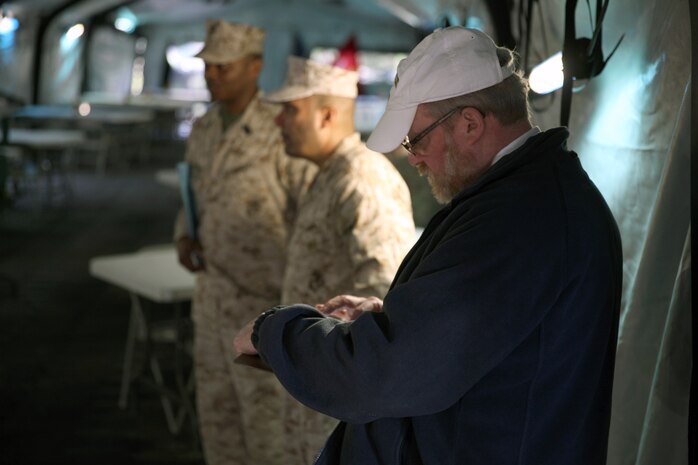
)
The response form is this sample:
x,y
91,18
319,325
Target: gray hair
x,y
506,101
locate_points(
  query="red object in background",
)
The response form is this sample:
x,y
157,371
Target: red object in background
x,y
347,56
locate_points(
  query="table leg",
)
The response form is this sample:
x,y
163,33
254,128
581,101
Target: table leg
x,y
184,387
136,330
173,424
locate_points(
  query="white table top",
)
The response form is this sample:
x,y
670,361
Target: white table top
x,y
152,273
46,138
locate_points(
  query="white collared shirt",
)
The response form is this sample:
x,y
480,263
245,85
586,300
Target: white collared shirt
x,y
516,143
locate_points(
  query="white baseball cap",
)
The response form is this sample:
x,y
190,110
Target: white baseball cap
x,y
305,78
447,63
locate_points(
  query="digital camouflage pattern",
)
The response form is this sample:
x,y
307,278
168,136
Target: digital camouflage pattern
x,y
227,42
247,193
306,77
353,229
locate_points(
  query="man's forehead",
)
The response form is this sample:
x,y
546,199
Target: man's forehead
x,y
293,104
303,101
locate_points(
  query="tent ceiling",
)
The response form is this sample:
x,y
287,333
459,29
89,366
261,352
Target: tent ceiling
x,y
417,13
364,15
163,11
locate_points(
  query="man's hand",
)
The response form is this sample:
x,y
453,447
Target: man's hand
x,y
243,340
349,307
190,254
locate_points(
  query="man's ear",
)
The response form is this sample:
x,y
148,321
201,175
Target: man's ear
x,y
255,66
472,124
328,115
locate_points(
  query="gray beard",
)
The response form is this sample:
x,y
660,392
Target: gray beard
x,y
445,187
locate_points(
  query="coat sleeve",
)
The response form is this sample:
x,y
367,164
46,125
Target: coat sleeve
x,y
471,300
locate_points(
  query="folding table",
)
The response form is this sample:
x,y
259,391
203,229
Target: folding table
x,y
153,274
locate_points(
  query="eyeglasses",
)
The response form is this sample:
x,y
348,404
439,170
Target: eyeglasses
x,y
409,144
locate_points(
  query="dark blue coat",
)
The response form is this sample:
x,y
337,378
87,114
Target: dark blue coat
x,y
497,339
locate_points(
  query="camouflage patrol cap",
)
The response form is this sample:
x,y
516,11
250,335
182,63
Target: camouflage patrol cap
x,y
305,78
226,42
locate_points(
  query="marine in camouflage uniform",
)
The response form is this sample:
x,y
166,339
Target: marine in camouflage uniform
x,y
247,194
353,229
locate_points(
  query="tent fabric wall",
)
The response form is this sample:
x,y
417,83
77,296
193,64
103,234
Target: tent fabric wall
x,y
653,363
631,128
316,24
327,24
110,61
16,59
61,67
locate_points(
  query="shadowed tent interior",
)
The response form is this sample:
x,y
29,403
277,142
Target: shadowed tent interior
x,y
63,332
114,98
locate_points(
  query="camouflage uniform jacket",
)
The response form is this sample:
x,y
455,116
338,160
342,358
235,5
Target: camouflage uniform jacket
x,y
247,192
354,228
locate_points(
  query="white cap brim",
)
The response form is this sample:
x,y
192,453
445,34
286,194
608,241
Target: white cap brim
x,y
391,129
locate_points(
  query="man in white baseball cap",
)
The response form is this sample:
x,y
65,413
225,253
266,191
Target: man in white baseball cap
x,y
354,225
443,77
496,341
